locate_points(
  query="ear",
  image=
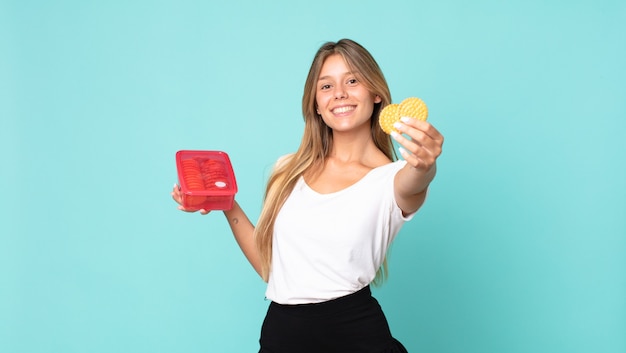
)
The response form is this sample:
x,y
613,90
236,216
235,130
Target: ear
x,y
377,99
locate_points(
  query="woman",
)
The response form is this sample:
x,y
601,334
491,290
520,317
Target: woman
x,y
332,209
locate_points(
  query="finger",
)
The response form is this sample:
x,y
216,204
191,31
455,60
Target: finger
x,y
410,130
423,126
409,157
420,138
427,154
416,155
182,208
409,144
175,196
414,161
425,141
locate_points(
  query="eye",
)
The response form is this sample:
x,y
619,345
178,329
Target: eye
x,y
324,87
352,81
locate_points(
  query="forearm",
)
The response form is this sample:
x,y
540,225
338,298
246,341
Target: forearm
x,y
421,145
411,186
243,230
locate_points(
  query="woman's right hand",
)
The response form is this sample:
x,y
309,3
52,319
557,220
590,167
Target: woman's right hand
x,y
176,195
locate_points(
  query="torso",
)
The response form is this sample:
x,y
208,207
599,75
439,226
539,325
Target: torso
x,y
329,245
337,175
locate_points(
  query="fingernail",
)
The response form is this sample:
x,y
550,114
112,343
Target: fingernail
x,y
405,119
397,125
394,134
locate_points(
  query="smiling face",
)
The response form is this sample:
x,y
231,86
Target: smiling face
x,y
341,99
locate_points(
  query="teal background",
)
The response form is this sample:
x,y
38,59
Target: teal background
x,y
521,246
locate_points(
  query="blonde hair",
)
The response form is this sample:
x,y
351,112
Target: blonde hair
x,y
317,140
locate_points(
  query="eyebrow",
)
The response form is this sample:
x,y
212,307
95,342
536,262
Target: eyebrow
x,y
347,73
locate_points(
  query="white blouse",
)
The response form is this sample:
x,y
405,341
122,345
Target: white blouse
x,y
329,245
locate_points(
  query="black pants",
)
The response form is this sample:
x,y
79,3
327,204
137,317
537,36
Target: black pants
x,y
354,323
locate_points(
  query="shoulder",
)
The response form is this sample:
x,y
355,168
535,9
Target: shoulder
x,y
391,167
282,160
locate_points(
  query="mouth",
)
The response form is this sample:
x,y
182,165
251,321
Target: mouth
x,y
343,109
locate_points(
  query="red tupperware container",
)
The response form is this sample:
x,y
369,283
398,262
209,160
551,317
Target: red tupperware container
x,y
207,180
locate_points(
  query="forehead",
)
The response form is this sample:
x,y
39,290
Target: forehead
x,y
334,65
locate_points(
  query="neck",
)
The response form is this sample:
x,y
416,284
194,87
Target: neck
x,y
352,146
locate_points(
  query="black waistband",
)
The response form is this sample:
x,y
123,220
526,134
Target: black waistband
x,y
356,299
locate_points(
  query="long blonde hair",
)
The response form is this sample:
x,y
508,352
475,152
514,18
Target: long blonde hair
x,y
318,138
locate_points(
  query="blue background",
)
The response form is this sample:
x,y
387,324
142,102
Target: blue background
x,y
521,246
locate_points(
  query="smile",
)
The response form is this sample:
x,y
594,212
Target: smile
x,y
343,109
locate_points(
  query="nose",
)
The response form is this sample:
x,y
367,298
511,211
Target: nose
x,y
340,92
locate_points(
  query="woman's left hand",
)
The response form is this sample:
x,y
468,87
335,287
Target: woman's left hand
x,y
421,143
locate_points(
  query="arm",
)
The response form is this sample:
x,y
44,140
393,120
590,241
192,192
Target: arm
x,y
242,228
421,150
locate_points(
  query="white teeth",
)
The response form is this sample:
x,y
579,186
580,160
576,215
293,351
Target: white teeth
x,y
343,109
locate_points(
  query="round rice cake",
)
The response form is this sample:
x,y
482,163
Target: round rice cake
x,y
414,108
388,116
411,107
